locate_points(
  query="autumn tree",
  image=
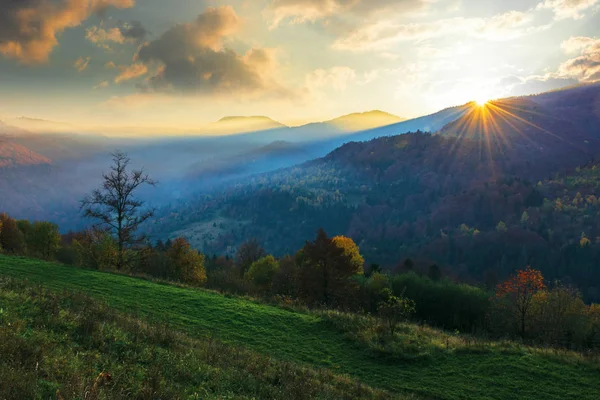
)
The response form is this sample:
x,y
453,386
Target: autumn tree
x,y
95,248
518,292
12,239
115,206
325,270
395,309
560,316
248,253
186,264
351,251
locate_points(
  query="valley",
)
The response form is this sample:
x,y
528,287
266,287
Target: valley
x,y
299,200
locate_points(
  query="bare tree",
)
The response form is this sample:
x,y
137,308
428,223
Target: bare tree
x,y
115,206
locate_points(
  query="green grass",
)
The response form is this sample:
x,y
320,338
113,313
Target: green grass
x,y
60,345
490,372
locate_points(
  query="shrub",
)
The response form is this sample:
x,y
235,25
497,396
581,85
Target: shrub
x,y
395,309
262,272
444,303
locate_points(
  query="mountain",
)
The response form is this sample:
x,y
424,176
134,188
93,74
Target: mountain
x,y
235,124
13,155
510,184
363,121
428,123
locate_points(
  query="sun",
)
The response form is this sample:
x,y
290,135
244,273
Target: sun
x,y
482,101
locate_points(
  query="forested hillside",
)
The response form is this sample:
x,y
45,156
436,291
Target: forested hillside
x,y
510,184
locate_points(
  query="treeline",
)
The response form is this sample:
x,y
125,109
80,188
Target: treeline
x,y
330,273
38,239
97,249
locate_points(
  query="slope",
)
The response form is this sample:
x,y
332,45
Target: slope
x,y
492,373
65,345
14,155
493,164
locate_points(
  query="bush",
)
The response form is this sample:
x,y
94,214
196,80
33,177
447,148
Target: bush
x,y
444,303
394,309
262,272
186,264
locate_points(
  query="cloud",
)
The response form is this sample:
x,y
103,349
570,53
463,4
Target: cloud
x,y
564,9
300,11
577,43
29,28
586,66
133,30
379,35
101,85
132,71
82,63
110,65
100,36
336,78
128,32
194,60
524,86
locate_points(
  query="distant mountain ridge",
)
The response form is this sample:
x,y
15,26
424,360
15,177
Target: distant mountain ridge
x,y
365,120
15,155
257,118
241,124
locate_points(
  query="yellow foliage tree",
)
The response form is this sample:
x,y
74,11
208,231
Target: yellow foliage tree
x,y
187,264
584,241
352,251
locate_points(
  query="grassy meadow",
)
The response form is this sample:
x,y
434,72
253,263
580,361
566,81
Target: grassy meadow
x,y
422,362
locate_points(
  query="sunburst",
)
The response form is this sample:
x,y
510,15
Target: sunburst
x,y
482,101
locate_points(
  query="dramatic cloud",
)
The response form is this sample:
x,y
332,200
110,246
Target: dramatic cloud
x,y
82,63
337,78
193,58
131,72
29,28
564,9
378,35
299,11
585,67
129,32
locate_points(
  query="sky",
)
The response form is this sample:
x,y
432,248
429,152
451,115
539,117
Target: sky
x,y
182,63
